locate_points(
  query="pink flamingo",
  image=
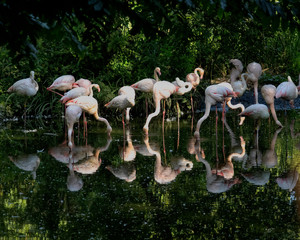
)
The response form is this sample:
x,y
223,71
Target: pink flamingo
x,y
239,86
90,105
77,92
194,78
254,72
256,111
62,83
146,85
163,90
213,94
73,114
268,92
287,91
124,101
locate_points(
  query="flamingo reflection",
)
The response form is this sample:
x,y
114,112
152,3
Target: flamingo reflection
x,y
27,162
167,174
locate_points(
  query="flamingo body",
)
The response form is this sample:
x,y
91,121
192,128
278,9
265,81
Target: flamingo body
x,y
62,83
287,91
256,111
25,87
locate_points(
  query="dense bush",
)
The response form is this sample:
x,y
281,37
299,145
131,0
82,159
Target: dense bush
x,y
113,51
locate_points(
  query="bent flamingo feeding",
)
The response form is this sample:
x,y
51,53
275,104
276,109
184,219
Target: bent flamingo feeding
x,y
163,90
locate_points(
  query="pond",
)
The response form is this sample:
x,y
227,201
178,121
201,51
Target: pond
x,y
238,182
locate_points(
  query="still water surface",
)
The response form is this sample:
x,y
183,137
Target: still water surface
x,y
237,182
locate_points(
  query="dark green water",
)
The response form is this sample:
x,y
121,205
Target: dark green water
x,y
161,190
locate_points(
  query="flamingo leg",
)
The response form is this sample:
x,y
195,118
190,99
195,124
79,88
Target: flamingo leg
x,y
164,113
146,107
192,105
55,92
123,135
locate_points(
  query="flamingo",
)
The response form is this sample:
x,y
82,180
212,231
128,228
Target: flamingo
x,y
79,91
254,72
163,90
90,105
239,86
256,111
213,95
194,78
62,83
124,101
268,92
87,89
25,87
73,114
146,85
82,83
287,91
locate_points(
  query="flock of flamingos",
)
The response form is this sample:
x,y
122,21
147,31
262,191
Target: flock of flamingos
x,y
79,98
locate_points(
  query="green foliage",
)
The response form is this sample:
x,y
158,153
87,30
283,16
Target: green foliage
x,y
117,43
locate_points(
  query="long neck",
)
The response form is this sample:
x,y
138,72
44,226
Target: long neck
x,y
157,110
91,89
236,106
273,112
244,83
156,75
206,114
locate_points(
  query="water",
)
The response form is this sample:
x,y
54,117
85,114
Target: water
x,y
161,187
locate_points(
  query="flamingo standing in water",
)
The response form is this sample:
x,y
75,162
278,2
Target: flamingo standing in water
x,y
194,78
163,90
268,92
124,101
213,94
90,105
73,114
27,87
62,83
254,72
146,85
287,91
239,86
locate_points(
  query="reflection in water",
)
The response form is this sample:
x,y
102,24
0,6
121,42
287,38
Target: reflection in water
x,y
74,181
289,180
81,159
269,158
236,146
127,152
125,171
220,179
167,174
257,175
27,162
62,200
